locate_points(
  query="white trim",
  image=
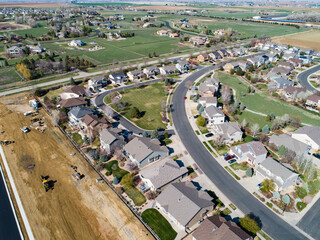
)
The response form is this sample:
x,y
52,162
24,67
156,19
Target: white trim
x,y
18,200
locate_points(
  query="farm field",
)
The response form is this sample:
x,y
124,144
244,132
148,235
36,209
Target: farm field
x,y
36,32
265,104
310,39
250,29
73,209
148,100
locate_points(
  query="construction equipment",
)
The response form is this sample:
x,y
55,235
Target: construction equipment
x,y
76,175
35,119
6,142
47,184
25,129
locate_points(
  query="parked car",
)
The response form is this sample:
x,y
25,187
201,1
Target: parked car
x,y
226,154
228,157
232,161
195,116
259,185
185,98
209,135
317,155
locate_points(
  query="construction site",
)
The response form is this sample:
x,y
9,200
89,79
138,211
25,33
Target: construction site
x,y
58,188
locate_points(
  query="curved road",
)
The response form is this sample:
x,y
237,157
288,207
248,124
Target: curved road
x,y
303,78
275,226
98,102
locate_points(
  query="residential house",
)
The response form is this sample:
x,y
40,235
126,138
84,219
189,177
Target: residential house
x,y
91,125
37,49
290,143
208,101
313,101
77,113
73,91
164,32
255,60
296,62
209,87
280,83
135,75
306,52
203,57
143,151
309,135
72,102
231,66
184,204
243,65
282,176
198,41
281,71
158,175
223,53
111,139
272,57
215,55
218,228
182,66
219,32
96,83
305,59
287,56
213,115
15,50
292,93
174,35
286,65
76,43
151,71
117,78
251,152
227,132
168,70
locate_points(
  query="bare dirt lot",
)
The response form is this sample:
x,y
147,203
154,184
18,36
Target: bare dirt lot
x,y
9,26
81,209
310,40
33,5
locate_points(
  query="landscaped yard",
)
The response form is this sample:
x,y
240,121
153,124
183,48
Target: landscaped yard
x,y
263,103
237,166
159,224
148,100
137,197
77,138
221,150
115,170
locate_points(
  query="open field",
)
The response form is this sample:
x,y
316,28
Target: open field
x,y
310,39
8,75
264,103
73,209
33,5
9,26
148,100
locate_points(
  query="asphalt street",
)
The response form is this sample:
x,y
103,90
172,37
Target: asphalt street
x,y
98,102
275,226
310,221
303,77
8,225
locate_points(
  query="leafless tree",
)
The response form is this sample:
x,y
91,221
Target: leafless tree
x,y
164,105
219,140
289,156
226,97
55,116
255,129
32,23
244,123
118,153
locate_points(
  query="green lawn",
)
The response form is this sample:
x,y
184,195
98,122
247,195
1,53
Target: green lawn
x,y
148,100
263,103
36,32
116,171
237,166
221,150
77,138
159,224
137,197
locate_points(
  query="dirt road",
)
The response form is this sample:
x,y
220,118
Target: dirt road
x,y
73,209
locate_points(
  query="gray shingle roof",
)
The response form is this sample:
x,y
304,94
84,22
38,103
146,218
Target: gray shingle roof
x,y
183,201
163,172
289,142
313,132
80,112
141,147
213,111
109,135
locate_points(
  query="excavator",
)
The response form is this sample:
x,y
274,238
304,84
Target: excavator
x,y
46,183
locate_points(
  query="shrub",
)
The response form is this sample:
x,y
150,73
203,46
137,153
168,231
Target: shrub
x,y
134,112
108,173
301,192
269,204
127,180
201,121
249,172
266,129
301,205
249,224
116,181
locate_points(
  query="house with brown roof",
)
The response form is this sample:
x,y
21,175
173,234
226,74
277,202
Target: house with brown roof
x,y
252,152
73,91
91,124
296,62
203,57
209,87
286,65
313,101
292,93
143,151
218,228
72,102
184,204
158,175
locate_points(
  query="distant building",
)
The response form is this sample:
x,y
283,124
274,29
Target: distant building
x,y
76,43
